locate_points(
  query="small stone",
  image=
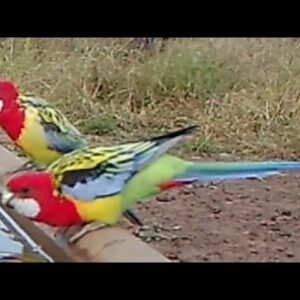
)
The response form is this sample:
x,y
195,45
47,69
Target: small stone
x,y
280,249
174,237
251,243
252,234
228,199
286,213
254,251
290,254
172,255
251,237
263,223
140,234
165,198
226,156
161,237
216,210
177,228
158,227
213,187
275,227
187,191
145,227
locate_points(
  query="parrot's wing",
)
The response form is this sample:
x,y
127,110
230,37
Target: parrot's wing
x,y
106,179
96,172
61,135
62,139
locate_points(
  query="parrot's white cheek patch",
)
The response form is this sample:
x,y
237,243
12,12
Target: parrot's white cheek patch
x,y
1,105
27,207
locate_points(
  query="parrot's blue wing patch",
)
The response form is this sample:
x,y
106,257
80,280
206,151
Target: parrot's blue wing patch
x,y
102,186
63,142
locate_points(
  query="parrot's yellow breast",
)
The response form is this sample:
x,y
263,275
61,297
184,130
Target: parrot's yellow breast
x,y
105,210
32,139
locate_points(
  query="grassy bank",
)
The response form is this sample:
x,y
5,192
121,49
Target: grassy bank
x,y
243,93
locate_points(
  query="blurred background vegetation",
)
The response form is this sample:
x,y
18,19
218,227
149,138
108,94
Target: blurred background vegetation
x,y
242,92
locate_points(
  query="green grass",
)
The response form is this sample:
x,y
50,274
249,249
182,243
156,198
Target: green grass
x,y
243,93
99,125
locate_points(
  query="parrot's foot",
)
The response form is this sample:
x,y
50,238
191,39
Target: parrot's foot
x,y
84,230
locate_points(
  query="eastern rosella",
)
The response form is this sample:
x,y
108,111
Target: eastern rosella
x,y
97,183
39,130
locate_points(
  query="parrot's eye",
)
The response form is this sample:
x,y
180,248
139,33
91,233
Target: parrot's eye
x,y
24,190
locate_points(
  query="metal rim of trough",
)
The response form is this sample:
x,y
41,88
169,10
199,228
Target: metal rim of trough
x,y
111,244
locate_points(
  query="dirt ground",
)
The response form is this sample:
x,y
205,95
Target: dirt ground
x,y
246,220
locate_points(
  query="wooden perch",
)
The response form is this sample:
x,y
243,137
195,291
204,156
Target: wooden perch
x,y
111,244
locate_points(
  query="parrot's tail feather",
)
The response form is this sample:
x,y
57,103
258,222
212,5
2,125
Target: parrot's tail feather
x,y
219,171
189,178
167,141
174,134
192,177
161,144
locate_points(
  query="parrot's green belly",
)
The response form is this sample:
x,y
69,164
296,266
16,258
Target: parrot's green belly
x,y
146,182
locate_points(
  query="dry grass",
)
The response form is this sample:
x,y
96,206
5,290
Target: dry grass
x,y
244,93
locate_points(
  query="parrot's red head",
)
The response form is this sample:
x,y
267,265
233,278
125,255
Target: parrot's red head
x,y
32,195
8,95
11,114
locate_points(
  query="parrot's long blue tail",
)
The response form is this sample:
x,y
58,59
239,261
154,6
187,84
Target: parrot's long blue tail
x,y
219,171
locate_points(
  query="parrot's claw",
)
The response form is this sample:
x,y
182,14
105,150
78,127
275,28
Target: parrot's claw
x,y
84,230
